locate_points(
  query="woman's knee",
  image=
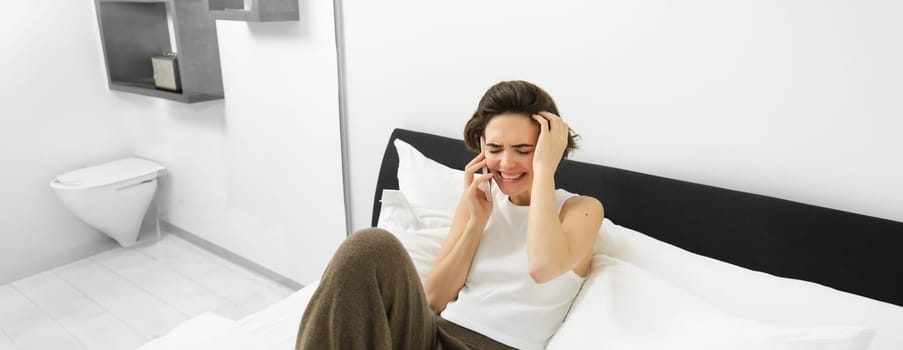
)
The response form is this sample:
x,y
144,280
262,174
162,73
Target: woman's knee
x,y
375,236
370,245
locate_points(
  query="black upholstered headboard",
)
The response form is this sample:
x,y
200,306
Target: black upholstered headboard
x,y
850,252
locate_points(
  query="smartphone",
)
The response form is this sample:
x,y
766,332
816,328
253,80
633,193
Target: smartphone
x,y
488,187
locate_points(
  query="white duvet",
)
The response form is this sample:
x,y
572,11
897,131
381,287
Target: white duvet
x,y
625,307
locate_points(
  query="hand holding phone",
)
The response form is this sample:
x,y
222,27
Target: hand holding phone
x,y
488,188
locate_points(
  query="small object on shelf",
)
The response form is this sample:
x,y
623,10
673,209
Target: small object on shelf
x,y
166,72
254,10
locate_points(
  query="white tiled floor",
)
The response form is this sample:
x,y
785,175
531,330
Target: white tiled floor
x,y
122,298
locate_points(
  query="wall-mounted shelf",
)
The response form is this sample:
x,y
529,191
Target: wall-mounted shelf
x,y
133,31
254,10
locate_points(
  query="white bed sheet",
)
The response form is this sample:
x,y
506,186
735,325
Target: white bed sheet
x,y
273,328
278,324
207,331
740,292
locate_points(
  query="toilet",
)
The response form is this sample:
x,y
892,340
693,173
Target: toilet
x,y
112,197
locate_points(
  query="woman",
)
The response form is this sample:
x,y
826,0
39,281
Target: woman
x,y
512,263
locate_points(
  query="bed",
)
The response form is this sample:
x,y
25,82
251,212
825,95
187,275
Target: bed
x,y
677,265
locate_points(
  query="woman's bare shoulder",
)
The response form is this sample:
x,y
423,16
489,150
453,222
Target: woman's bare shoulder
x,y
580,202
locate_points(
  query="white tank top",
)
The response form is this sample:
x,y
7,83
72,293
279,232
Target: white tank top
x,y
499,298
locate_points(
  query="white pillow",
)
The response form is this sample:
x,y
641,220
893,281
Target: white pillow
x,y
752,294
421,236
623,307
428,184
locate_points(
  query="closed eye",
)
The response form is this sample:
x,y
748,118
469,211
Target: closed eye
x,y
522,148
497,151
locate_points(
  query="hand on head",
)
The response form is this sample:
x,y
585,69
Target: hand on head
x,y
553,140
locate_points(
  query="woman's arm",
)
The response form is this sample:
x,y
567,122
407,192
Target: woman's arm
x,y
453,262
557,242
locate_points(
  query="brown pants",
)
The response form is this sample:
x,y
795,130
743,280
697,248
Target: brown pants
x,y
370,297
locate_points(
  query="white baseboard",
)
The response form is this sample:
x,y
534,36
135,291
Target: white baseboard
x,y
229,255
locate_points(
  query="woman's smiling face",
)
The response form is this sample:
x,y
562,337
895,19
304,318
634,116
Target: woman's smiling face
x,y
510,140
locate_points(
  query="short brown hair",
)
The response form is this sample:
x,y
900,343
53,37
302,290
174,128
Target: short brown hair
x,y
516,96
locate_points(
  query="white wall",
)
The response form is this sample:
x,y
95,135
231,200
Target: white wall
x,y
793,99
54,116
258,173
